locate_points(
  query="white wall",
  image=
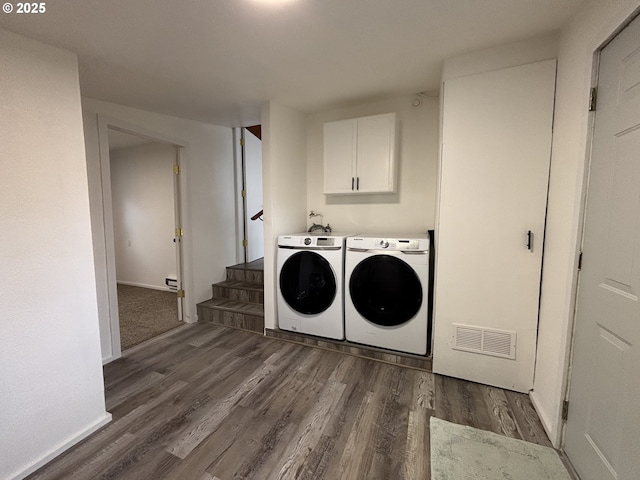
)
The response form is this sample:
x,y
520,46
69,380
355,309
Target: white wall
x,y
51,385
285,189
502,56
595,23
412,208
143,214
207,183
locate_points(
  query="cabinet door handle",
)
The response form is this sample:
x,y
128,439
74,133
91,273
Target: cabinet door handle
x,y
530,240
352,180
357,183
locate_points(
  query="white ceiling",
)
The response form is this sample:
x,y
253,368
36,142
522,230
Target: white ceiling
x,y
217,60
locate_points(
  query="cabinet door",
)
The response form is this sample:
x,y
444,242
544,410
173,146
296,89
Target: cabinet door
x,y
375,166
496,148
340,143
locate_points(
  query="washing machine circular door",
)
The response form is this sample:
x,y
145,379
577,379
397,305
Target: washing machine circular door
x,y
385,290
307,283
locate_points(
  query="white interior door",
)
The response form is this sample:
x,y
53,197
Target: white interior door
x,y
603,428
253,195
494,174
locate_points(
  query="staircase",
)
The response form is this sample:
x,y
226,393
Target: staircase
x,y
239,300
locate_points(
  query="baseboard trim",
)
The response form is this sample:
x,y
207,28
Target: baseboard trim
x,y
144,285
567,463
110,359
408,360
98,424
546,424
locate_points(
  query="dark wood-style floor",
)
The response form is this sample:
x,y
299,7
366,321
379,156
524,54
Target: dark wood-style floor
x,y
207,402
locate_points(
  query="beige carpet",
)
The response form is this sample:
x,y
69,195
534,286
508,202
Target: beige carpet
x,y
145,313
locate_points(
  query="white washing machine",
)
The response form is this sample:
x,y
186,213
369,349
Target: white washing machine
x,y
386,292
310,284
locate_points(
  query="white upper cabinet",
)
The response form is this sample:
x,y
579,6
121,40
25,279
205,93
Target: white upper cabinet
x,y
359,155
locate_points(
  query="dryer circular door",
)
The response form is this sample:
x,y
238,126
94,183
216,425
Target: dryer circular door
x,y
307,283
385,290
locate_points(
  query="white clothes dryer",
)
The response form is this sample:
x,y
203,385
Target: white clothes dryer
x,y
310,289
386,292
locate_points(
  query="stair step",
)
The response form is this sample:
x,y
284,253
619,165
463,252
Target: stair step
x,y
239,300
245,275
234,306
249,272
239,290
232,313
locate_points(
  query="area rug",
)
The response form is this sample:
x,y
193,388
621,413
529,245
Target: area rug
x,y
145,313
464,453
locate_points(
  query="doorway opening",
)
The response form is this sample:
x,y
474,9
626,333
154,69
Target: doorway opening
x,y
251,193
141,193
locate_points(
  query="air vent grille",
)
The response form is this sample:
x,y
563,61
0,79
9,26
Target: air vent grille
x,y
485,341
469,338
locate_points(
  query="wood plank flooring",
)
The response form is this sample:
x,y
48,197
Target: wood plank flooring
x,y
207,402
420,362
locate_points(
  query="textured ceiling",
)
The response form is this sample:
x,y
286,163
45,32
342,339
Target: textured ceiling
x,y
217,60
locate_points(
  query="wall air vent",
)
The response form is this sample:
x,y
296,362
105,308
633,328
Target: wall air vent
x,y
485,341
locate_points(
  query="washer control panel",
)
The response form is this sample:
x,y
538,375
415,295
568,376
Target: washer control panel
x,y
325,241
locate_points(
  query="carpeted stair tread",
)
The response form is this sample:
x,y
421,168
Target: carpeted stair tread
x,y
225,304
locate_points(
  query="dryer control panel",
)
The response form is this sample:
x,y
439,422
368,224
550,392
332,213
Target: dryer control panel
x,y
416,243
311,241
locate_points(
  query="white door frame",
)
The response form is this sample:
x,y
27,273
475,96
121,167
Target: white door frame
x,y
241,251
579,246
595,68
242,214
253,228
179,233
104,124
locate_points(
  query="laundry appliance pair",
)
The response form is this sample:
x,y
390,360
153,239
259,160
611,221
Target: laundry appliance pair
x,y
367,289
